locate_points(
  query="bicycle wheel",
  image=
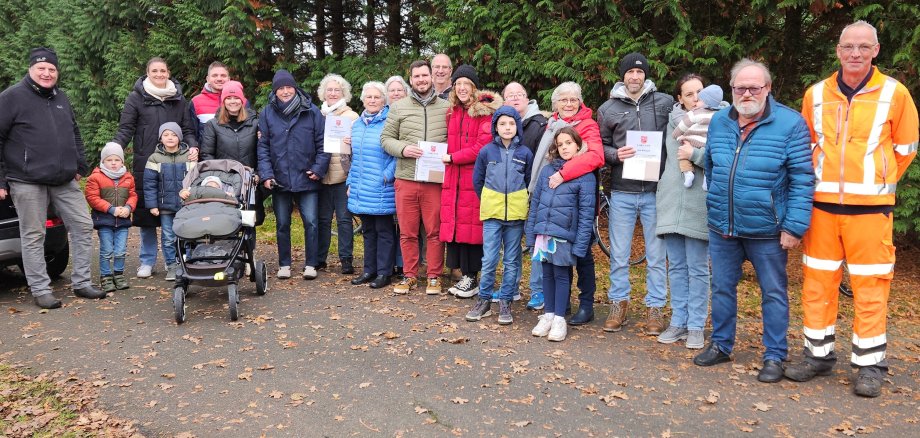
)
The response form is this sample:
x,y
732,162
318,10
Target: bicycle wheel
x,y
601,226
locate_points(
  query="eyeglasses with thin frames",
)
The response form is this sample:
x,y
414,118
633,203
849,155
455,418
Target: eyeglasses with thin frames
x,y
755,91
863,48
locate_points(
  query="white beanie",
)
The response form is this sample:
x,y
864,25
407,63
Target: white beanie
x,y
112,148
211,178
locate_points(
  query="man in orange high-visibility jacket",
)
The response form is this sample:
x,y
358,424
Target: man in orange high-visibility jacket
x,y
864,133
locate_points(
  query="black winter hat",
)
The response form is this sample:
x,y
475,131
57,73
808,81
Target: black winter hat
x,y
631,61
42,54
283,78
465,71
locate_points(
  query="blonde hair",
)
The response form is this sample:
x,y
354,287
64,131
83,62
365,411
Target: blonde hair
x,y
346,87
223,116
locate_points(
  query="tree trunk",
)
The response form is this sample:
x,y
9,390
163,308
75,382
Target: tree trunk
x,y
319,38
370,29
394,23
337,27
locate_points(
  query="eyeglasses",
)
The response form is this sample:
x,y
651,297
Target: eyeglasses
x,y
755,91
568,100
333,90
863,48
514,96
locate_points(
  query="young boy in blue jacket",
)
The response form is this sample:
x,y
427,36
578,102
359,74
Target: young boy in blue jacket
x,y
501,176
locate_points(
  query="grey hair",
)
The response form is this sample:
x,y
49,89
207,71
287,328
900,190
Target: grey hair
x,y
399,79
379,86
505,90
346,87
861,23
747,62
566,88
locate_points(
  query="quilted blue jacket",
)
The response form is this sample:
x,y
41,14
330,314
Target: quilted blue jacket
x,y
372,169
566,212
289,147
764,185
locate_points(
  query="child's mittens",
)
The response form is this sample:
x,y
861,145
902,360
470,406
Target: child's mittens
x,y
688,179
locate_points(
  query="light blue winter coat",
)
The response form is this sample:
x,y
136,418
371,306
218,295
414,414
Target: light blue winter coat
x,y
372,170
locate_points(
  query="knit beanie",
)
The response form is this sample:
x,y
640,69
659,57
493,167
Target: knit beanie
x,y
712,96
232,88
631,61
283,78
42,54
170,126
112,148
465,71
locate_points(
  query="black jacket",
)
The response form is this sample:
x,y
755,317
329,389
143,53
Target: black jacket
x,y
220,142
39,139
620,114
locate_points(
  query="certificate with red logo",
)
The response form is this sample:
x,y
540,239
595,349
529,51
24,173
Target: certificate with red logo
x,y
429,167
336,129
646,164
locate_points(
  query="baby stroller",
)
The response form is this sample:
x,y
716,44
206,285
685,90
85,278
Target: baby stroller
x,y
215,234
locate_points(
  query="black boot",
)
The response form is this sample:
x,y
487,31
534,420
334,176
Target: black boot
x,y
347,267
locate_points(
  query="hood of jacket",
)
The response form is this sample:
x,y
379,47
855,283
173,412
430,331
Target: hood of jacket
x,y
584,113
676,115
510,112
488,103
532,109
619,91
139,87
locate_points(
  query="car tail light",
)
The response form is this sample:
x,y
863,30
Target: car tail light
x,y
53,222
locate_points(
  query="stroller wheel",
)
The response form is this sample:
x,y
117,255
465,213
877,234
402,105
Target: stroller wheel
x,y
233,301
261,275
179,304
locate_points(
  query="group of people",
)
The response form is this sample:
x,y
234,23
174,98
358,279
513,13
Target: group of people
x,y
748,180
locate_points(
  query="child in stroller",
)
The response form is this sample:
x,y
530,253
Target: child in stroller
x,y
215,232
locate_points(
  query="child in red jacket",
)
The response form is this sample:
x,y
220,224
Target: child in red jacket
x,y
110,193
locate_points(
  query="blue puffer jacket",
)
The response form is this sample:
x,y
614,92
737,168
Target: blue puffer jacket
x,y
163,176
289,147
765,185
372,169
566,212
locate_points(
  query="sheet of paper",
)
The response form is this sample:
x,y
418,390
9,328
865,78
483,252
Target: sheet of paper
x,y
429,167
646,164
337,128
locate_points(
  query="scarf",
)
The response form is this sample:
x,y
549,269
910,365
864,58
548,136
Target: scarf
x,y
539,157
368,117
47,93
160,93
114,174
424,100
288,108
326,109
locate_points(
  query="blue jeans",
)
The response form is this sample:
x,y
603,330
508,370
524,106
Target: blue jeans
x,y
168,238
283,205
536,274
149,246
688,273
501,236
769,260
333,199
624,208
113,246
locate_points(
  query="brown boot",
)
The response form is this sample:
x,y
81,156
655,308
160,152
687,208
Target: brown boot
x,y
617,318
654,324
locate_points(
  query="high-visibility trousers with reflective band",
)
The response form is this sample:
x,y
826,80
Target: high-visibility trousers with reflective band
x,y
865,242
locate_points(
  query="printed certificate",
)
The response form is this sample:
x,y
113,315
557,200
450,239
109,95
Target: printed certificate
x,y
429,167
646,164
337,128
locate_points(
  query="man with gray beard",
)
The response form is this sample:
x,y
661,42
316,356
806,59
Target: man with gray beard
x,y
761,183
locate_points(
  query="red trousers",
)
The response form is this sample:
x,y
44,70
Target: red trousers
x,y
865,242
419,202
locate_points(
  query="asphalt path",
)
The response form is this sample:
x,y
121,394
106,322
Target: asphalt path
x,y
325,358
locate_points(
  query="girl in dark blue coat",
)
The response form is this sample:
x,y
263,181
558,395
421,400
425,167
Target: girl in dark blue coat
x,y
559,229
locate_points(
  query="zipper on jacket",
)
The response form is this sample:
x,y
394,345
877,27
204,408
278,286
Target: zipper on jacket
x,y
843,147
507,158
731,182
425,125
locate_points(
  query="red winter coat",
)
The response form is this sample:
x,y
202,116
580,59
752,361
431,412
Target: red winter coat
x,y
102,194
468,130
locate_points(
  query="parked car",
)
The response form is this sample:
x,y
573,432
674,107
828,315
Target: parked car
x,y
57,249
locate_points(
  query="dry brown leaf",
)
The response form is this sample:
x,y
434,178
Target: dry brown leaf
x,y
521,423
761,406
420,410
459,401
364,385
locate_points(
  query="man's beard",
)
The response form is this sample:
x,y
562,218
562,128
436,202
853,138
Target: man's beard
x,y
749,108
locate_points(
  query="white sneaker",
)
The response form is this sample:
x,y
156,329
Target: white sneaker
x,y
309,272
559,329
284,272
145,271
544,323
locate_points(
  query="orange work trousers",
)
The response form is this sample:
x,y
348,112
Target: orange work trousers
x,y
865,242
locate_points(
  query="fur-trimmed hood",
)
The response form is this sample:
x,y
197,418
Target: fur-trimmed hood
x,y
488,102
